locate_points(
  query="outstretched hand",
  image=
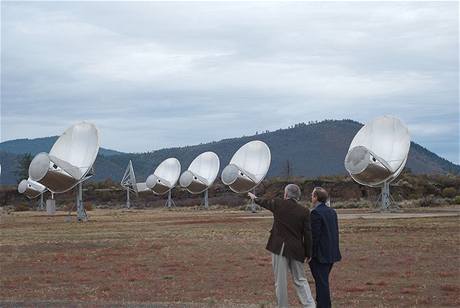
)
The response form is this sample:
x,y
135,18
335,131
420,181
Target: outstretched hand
x,y
251,195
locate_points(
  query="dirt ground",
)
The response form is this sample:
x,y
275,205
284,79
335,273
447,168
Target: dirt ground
x,y
196,258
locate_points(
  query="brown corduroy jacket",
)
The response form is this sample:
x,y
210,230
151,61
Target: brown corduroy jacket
x,y
291,226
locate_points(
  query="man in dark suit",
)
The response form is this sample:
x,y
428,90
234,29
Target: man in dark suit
x,y
290,244
325,233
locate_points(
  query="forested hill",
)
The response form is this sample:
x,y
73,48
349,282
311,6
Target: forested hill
x,y
310,150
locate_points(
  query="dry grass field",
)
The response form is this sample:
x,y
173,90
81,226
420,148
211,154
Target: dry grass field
x,y
185,258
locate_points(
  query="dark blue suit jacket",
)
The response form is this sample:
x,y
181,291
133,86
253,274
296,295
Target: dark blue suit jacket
x,y
325,234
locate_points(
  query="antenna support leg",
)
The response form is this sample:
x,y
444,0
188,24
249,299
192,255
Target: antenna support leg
x,y
385,200
206,202
170,202
252,205
41,204
81,213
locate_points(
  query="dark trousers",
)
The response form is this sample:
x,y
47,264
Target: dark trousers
x,y
320,272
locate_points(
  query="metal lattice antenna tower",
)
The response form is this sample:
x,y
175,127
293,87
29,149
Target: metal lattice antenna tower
x,y
128,182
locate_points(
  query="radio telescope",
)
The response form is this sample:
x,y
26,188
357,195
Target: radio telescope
x,y
247,168
378,154
32,190
164,178
201,174
69,162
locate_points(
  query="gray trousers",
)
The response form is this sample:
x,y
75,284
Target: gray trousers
x,y
280,268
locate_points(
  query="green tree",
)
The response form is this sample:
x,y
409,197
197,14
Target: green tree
x,y
22,171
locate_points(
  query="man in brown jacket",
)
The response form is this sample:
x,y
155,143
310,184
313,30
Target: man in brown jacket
x,y
290,243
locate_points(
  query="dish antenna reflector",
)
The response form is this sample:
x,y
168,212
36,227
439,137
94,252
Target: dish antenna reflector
x,y
69,162
70,159
32,190
201,174
164,178
378,154
247,168
128,182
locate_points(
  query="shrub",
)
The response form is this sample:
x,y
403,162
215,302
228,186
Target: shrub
x,y
457,200
449,192
426,201
432,201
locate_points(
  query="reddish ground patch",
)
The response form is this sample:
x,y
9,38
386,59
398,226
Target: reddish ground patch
x,y
218,257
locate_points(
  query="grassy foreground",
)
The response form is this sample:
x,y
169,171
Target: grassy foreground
x,y
218,258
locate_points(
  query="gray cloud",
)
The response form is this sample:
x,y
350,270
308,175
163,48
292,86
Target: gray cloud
x,y
152,75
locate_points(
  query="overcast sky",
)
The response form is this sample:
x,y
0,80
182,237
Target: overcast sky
x,y
154,75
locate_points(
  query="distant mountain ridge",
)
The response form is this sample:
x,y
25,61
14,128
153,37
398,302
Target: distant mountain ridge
x,y
310,150
37,145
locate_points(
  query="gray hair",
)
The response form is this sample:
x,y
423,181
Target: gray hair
x,y
292,191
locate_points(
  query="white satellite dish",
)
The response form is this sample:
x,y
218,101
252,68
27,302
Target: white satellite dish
x,y
69,162
201,174
128,182
378,154
32,190
164,178
248,167
70,159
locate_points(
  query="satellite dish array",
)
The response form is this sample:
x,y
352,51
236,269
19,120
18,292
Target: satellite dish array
x,y
246,170
376,156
